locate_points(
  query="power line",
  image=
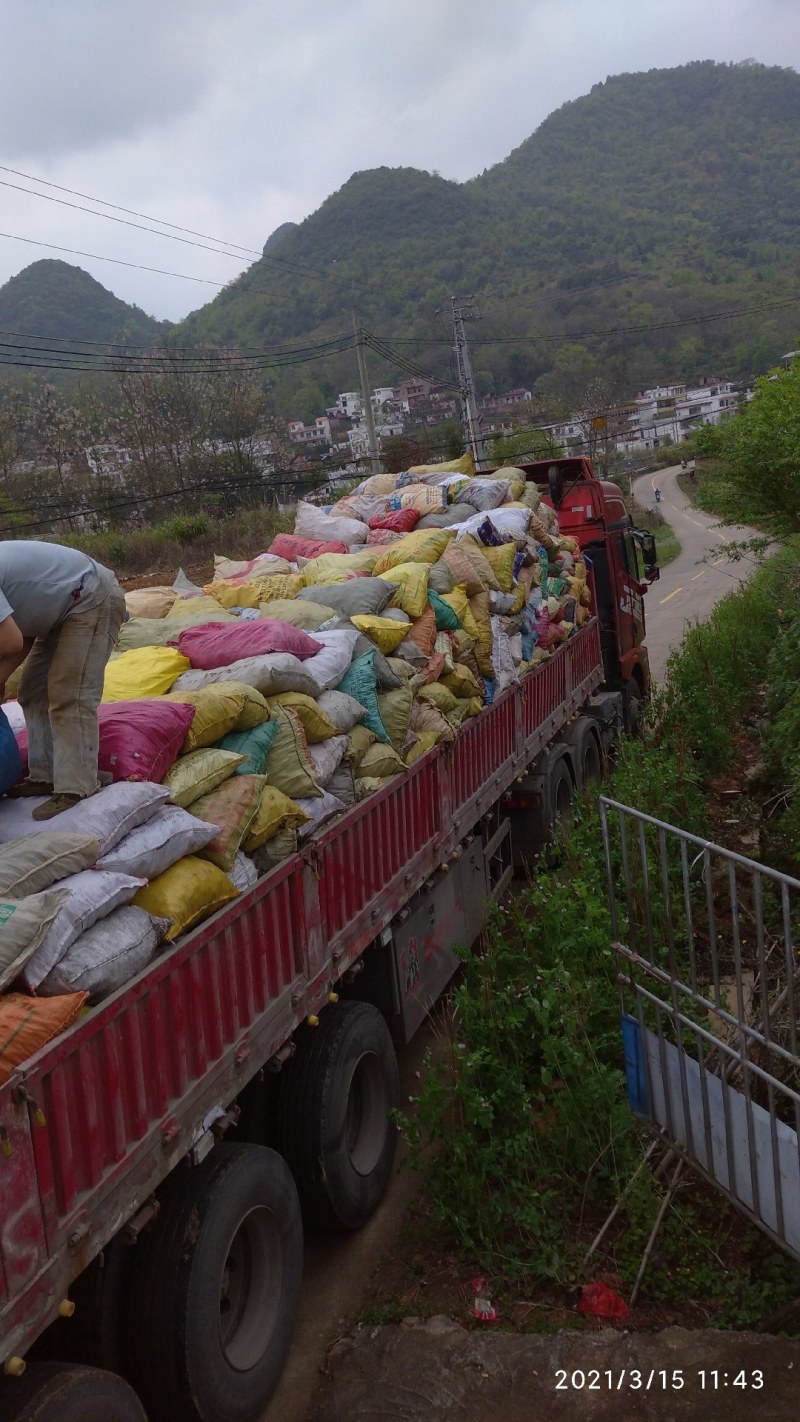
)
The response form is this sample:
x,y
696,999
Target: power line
x,y
171,236
611,330
250,251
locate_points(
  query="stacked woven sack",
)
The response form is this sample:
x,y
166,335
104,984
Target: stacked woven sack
x,y
240,717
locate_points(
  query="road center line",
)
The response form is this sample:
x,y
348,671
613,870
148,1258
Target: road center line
x,y
699,575
670,595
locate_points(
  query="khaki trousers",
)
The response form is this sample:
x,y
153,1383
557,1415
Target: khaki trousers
x,y
61,688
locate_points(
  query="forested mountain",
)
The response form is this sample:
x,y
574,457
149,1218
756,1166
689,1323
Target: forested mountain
x,y
657,198
603,245
55,299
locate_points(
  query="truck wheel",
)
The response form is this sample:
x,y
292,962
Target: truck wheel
x,y
335,1117
591,766
216,1287
55,1392
562,791
633,707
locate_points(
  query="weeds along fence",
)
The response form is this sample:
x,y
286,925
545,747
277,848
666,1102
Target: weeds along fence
x,y
707,944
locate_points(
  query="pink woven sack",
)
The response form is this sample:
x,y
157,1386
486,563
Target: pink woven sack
x,y
139,740
213,645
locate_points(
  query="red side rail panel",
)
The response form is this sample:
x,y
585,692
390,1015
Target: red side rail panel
x,y
127,1091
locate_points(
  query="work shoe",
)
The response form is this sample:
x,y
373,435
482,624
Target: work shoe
x,y
30,787
56,805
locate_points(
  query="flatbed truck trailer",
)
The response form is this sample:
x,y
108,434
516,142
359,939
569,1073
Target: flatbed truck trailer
x,y
158,1160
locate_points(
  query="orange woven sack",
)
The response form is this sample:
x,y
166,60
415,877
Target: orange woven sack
x,y
28,1023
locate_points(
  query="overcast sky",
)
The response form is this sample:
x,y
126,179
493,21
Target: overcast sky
x,y
233,116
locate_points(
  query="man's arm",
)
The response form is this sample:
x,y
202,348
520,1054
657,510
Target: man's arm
x,y
14,649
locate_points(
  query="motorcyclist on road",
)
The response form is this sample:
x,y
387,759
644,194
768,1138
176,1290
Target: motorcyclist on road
x,y
658,496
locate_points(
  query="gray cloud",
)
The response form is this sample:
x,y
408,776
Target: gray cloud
x,y
232,118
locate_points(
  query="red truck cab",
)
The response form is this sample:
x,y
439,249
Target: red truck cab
x,y
622,562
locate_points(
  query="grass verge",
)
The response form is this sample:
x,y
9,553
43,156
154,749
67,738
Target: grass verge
x,y
527,1103
190,540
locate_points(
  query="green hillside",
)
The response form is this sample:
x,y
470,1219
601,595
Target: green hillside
x,y
55,299
657,198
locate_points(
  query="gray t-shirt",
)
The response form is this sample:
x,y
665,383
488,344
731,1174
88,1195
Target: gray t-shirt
x,y
42,583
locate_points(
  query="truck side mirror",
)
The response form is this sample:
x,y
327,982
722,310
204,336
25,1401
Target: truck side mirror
x,y
647,543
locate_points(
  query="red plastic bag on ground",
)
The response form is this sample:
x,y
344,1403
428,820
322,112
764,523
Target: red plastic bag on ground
x,y
292,547
139,740
213,645
398,520
602,1302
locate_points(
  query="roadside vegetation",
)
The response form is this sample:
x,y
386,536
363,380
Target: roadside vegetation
x,y
188,540
527,1101
522,1131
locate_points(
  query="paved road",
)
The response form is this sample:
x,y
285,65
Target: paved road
x,y
701,574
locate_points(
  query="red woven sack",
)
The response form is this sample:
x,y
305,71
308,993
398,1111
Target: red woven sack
x,y
291,547
139,740
215,644
398,520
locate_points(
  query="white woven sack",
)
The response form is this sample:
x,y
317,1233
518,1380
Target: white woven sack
x,y
331,663
271,674
107,816
312,522
343,710
107,955
327,756
503,662
30,865
319,811
161,842
507,522
24,924
90,895
243,872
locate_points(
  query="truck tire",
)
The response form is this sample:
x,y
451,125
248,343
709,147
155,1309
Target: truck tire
x,y
590,767
335,1116
634,705
216,1287
56,1392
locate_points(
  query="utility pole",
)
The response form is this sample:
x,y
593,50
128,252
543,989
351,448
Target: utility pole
x,y
366,402
463,310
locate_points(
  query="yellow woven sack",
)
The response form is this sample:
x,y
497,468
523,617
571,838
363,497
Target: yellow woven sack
x,y
309,616
265,564
425,498
475,553
519,600
458,600
217,711
275,813
501,561
475,706
146,671
379,485
424,545
425,741
465,464
395,711
383,631
462,570
334,568
192,607
360,738
462,682
459,713
188,892
150,602
412,587
427,717
380,761
198,773
438,695
255,710
484,641
317,726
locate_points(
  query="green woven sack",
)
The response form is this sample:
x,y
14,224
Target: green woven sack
x,y
359,681
254,745
447,619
